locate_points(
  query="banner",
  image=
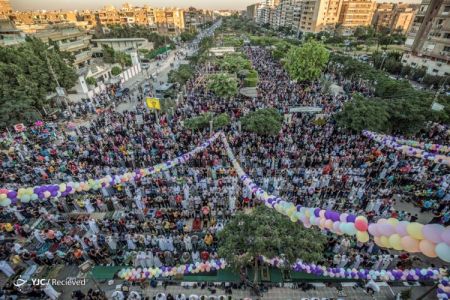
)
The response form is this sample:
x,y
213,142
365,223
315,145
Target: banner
x,y
153,103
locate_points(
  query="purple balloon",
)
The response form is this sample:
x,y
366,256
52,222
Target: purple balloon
x,y
351,218
316,212
12,194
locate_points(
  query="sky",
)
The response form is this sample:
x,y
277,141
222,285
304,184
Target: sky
x,y
91,4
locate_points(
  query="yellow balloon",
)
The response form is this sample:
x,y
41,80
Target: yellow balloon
x,y
415,230
392,221
307,213
362,236
384,240
395,242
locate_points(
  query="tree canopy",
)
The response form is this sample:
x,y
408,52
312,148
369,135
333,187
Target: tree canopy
x,y
181,75
26,80
223,85
395,107
306,63
267,121
265,232
234,63
201,122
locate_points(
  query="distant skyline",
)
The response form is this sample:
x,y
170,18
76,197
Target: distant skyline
x,y
89,4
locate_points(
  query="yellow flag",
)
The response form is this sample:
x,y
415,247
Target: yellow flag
x,y
153,103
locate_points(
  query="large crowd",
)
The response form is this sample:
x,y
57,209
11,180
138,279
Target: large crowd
x,y
173,217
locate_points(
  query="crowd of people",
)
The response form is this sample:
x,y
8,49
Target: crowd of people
x,y
173,217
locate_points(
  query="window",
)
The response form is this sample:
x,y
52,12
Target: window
x,y
447,8
435,71
446,48
447,35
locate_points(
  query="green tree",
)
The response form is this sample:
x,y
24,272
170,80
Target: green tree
x,y
203,121
123,59
264,232
233,63
108,54
186,36
116,70
91,81
181,75
266,121
306,63
360,114
223,85
26,80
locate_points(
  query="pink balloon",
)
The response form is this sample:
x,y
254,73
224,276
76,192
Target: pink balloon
x,y
336,226
322,213
382,221
373,230
386,229
433,232
343,217
361,224
427,248
401,228
410,244
446,235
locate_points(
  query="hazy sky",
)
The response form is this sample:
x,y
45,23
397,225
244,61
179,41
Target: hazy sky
x,y
89,4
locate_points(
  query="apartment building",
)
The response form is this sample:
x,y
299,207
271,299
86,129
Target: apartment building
x,y
252,11
266,12
428,40
9,34
355,13
69,38
396,16
169,21
195,18
5,8
284,14
319,15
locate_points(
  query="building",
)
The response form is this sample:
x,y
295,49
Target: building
x,y
5,8
395,16
70,38
169,21
284,14
428,41
122,44
318,15
356,13
265,13
252,11
195,18
9,34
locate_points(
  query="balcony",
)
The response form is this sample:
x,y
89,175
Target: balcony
x,y
74,46
83,56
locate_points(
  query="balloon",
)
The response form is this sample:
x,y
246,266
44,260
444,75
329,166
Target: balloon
x,y
386,229
47,194
409,244
445,235
443,252
350,229
415,230
401,228
395,242
433,232
373,230
385,241
329,224
343,217
362,236
361,223
427,248
392,221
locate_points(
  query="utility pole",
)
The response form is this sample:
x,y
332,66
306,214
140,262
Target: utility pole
x,y
56,78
